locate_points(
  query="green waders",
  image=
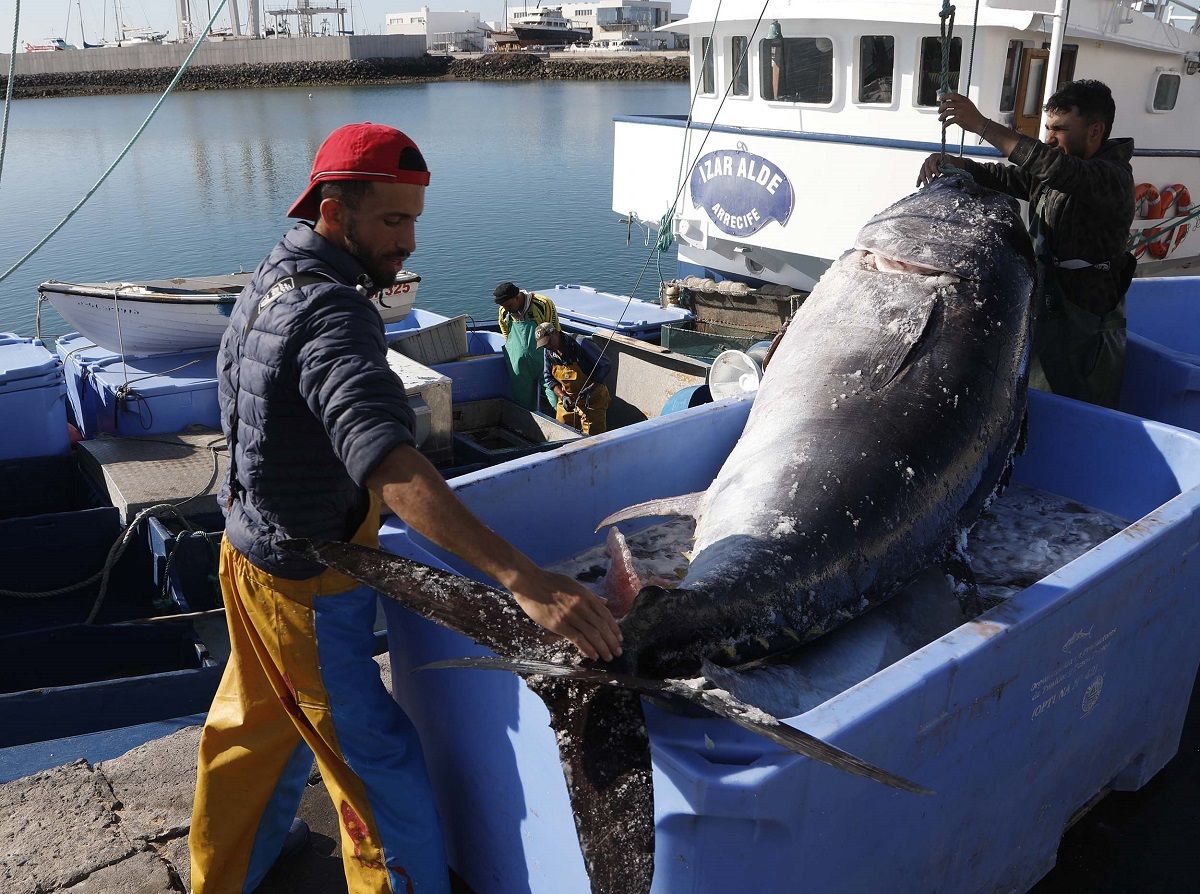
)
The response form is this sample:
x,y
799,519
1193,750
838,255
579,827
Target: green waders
x,y
1076,353
525,361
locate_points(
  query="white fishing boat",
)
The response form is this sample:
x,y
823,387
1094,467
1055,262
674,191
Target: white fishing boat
x,y
184,314
52,45
811,117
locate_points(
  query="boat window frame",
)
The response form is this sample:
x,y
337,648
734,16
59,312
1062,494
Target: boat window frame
x,y
706,69
1066,69
917,69
1015,74
732,57
834,80
1152,101
857,74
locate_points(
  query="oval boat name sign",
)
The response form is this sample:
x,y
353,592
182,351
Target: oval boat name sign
x,y
740,191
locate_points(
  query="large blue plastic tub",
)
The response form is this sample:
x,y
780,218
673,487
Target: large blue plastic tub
x,y
79,679
1017,719
32,391
588,311
139,395
1162,363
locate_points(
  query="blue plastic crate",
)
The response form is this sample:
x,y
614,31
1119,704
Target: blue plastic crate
x,y
586,310
1016,720
79,679
32,389
139,395
1162,362
187,560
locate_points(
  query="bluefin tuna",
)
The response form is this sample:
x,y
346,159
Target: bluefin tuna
x,y
887,418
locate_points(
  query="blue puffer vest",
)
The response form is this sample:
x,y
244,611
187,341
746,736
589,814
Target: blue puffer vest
x,y
318,408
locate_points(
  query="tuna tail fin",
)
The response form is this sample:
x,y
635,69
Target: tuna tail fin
x,y
722,705
489,616
685,505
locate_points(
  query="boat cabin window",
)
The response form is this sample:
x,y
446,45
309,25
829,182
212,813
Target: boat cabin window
x,y
708,81
1012,72
876,68
931,68
1166,91
739,55
797,69
1066,62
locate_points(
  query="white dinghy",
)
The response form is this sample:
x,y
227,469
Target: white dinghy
x,y
163,316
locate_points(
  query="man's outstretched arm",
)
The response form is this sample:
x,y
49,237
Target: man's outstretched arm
x,y
414,490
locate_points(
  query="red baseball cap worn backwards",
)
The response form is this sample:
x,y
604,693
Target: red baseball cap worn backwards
x,y
361,152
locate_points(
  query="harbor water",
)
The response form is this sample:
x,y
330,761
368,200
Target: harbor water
x,y
521,185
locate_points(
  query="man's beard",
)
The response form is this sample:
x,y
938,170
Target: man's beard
x,y
378,266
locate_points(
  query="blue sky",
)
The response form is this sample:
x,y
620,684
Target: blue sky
x,y
47,18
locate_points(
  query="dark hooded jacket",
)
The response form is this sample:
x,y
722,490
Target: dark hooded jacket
x,y
1083,208
317,406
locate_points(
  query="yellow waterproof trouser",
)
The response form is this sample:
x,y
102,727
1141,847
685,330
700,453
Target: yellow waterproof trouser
x,y
300,682
592,417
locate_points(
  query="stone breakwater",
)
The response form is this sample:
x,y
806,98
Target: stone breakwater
x,y
492,67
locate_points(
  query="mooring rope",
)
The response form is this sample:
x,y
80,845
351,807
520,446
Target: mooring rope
x,y
946,23
8,91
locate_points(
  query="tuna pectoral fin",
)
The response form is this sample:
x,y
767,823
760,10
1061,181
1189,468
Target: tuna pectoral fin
x,y
902,337
685,505
489,616
722,704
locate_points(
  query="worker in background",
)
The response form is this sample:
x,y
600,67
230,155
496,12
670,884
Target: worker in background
x,y
574,371
1079,185
520,314
319,433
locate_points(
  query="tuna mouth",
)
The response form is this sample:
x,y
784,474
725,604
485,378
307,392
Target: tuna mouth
x,y
871,260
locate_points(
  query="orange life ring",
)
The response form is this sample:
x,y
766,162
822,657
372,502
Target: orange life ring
x,y
1147,194
1183,205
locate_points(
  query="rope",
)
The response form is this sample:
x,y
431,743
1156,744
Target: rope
x,y
669,216
946,25
8,92
112,167
121,543
962,139
1136,242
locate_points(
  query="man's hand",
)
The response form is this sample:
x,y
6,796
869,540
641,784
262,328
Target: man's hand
x,y
930,169
414,490
957,109
564,606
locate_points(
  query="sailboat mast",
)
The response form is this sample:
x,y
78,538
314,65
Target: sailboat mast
x,y
82,35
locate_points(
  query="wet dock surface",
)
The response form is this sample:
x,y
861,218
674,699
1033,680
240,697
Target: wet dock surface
x,y
121,826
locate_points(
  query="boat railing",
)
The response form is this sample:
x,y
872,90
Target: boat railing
x,y
1172,12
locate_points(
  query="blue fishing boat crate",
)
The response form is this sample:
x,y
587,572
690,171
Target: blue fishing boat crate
x,y
1016,720
588,311
32,389
80,678
187,559
1162,362
138,396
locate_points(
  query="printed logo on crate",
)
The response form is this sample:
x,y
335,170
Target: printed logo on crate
x,y
741,192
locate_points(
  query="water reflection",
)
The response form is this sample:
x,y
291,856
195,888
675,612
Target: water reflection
x,y
521,184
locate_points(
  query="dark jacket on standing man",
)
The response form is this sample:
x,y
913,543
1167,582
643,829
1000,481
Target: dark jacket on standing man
x,y
1081,206
317,406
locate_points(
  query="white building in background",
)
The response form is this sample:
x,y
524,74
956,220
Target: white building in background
x,y
611,20
455,30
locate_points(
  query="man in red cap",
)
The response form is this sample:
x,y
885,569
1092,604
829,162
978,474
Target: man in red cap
x,y
319,432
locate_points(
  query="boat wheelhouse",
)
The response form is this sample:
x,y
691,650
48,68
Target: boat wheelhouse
x,y
810,119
